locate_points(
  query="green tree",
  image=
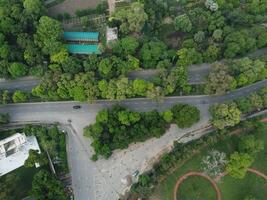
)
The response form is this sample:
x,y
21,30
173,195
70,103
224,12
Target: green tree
x,y
250,145
217,34
199,36
238,164
60,57
140,87
167,116
35,157
126,46
211,54
19,96
102,116
219,80
250,198
224,115
49,35
4,118
183,23
152,52
256,101
17,70
33,7
185,115
188,57
132,19
46,187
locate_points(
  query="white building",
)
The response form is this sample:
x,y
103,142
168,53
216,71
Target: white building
x,y
112,34
14,150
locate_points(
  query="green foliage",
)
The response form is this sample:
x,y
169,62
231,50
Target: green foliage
x,y
188,57
49,35
183,23
19,96
247,71
51,140
185,115
199,36
219,80
4,118
46,187
152,52
8,187
35,157
17,70
250,145
33,6
238,164
132,19
167,116
224,115
125,46
117,127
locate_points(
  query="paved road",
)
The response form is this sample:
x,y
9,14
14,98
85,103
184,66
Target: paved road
x,y
101,180
24,84
196,73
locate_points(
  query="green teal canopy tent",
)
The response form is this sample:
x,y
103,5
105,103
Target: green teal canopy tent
x,y
83,48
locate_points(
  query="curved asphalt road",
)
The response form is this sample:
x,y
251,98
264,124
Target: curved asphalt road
x,y
101,180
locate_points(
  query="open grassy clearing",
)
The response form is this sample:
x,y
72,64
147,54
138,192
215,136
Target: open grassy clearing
x,y
70,6
231,188
196,188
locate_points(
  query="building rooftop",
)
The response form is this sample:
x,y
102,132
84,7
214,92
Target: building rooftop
x,y
112,34
83,48
13,158
81,36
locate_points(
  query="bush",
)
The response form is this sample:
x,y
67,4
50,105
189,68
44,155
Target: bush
x,y
117,127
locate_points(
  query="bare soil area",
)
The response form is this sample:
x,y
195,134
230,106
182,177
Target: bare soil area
x,y
70,6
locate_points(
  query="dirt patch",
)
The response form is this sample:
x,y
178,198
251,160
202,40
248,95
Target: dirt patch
x,y
70,6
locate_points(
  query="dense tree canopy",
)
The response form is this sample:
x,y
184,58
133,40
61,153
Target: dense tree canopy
x,y
224,115
46,187
132,19
117,127
238,164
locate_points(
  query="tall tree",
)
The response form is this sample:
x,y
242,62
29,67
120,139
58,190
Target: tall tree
x,y
224,115
132,19
238,164
46,187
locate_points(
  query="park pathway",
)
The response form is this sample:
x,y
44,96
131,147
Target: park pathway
x,y
193,173
213,182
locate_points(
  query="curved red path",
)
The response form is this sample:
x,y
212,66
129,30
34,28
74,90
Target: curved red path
x,y
258,173
213,183
185,176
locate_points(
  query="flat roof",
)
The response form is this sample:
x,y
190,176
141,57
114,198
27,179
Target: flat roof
x,y
17,159
73,36
83,48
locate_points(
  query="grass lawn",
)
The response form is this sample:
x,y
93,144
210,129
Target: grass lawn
x,y
196,188
21,182
231,188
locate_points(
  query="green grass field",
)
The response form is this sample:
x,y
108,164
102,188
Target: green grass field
x,y
21,182
196,188
231,188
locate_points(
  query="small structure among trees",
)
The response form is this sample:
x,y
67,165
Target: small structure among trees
x,y
14,150
88,40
